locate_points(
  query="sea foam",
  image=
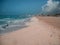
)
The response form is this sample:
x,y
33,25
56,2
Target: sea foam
x,y
10,25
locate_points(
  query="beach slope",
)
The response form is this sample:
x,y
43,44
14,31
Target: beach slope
x,y
40,31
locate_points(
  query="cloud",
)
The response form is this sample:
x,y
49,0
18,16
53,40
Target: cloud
x,y
51,7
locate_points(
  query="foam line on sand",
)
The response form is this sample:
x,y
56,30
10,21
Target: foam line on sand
x,y
38,33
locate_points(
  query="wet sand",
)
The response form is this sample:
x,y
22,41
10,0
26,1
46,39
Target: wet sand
x,y
41,31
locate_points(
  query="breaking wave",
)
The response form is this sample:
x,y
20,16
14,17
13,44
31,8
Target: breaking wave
x,y
8,24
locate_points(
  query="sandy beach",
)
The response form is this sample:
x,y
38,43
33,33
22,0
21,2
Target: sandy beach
x,y
40,31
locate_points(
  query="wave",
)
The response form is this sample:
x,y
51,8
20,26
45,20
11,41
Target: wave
x,y
12,24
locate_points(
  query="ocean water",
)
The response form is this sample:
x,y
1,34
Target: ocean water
x,y
9,23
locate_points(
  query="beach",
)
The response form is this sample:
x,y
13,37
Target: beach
x,y
40,31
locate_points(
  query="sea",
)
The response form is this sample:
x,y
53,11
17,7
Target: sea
x,y
9,23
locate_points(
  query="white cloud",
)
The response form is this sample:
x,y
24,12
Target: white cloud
x,y
51,6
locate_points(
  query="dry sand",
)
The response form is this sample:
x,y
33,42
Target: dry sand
x,y
39,32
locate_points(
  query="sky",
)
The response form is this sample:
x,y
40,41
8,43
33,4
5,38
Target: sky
x,y
17,7
51,7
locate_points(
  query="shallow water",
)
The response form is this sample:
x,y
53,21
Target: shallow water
x,y
11,23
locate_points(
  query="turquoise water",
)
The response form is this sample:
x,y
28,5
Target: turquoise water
x,y
5,18
13,16
10,23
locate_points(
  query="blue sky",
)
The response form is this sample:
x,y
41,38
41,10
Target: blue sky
x,y
51,7
17,7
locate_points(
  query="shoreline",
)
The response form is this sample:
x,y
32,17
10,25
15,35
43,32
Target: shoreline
x,y
39,32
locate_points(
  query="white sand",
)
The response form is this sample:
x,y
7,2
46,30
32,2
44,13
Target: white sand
x,y
38,33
